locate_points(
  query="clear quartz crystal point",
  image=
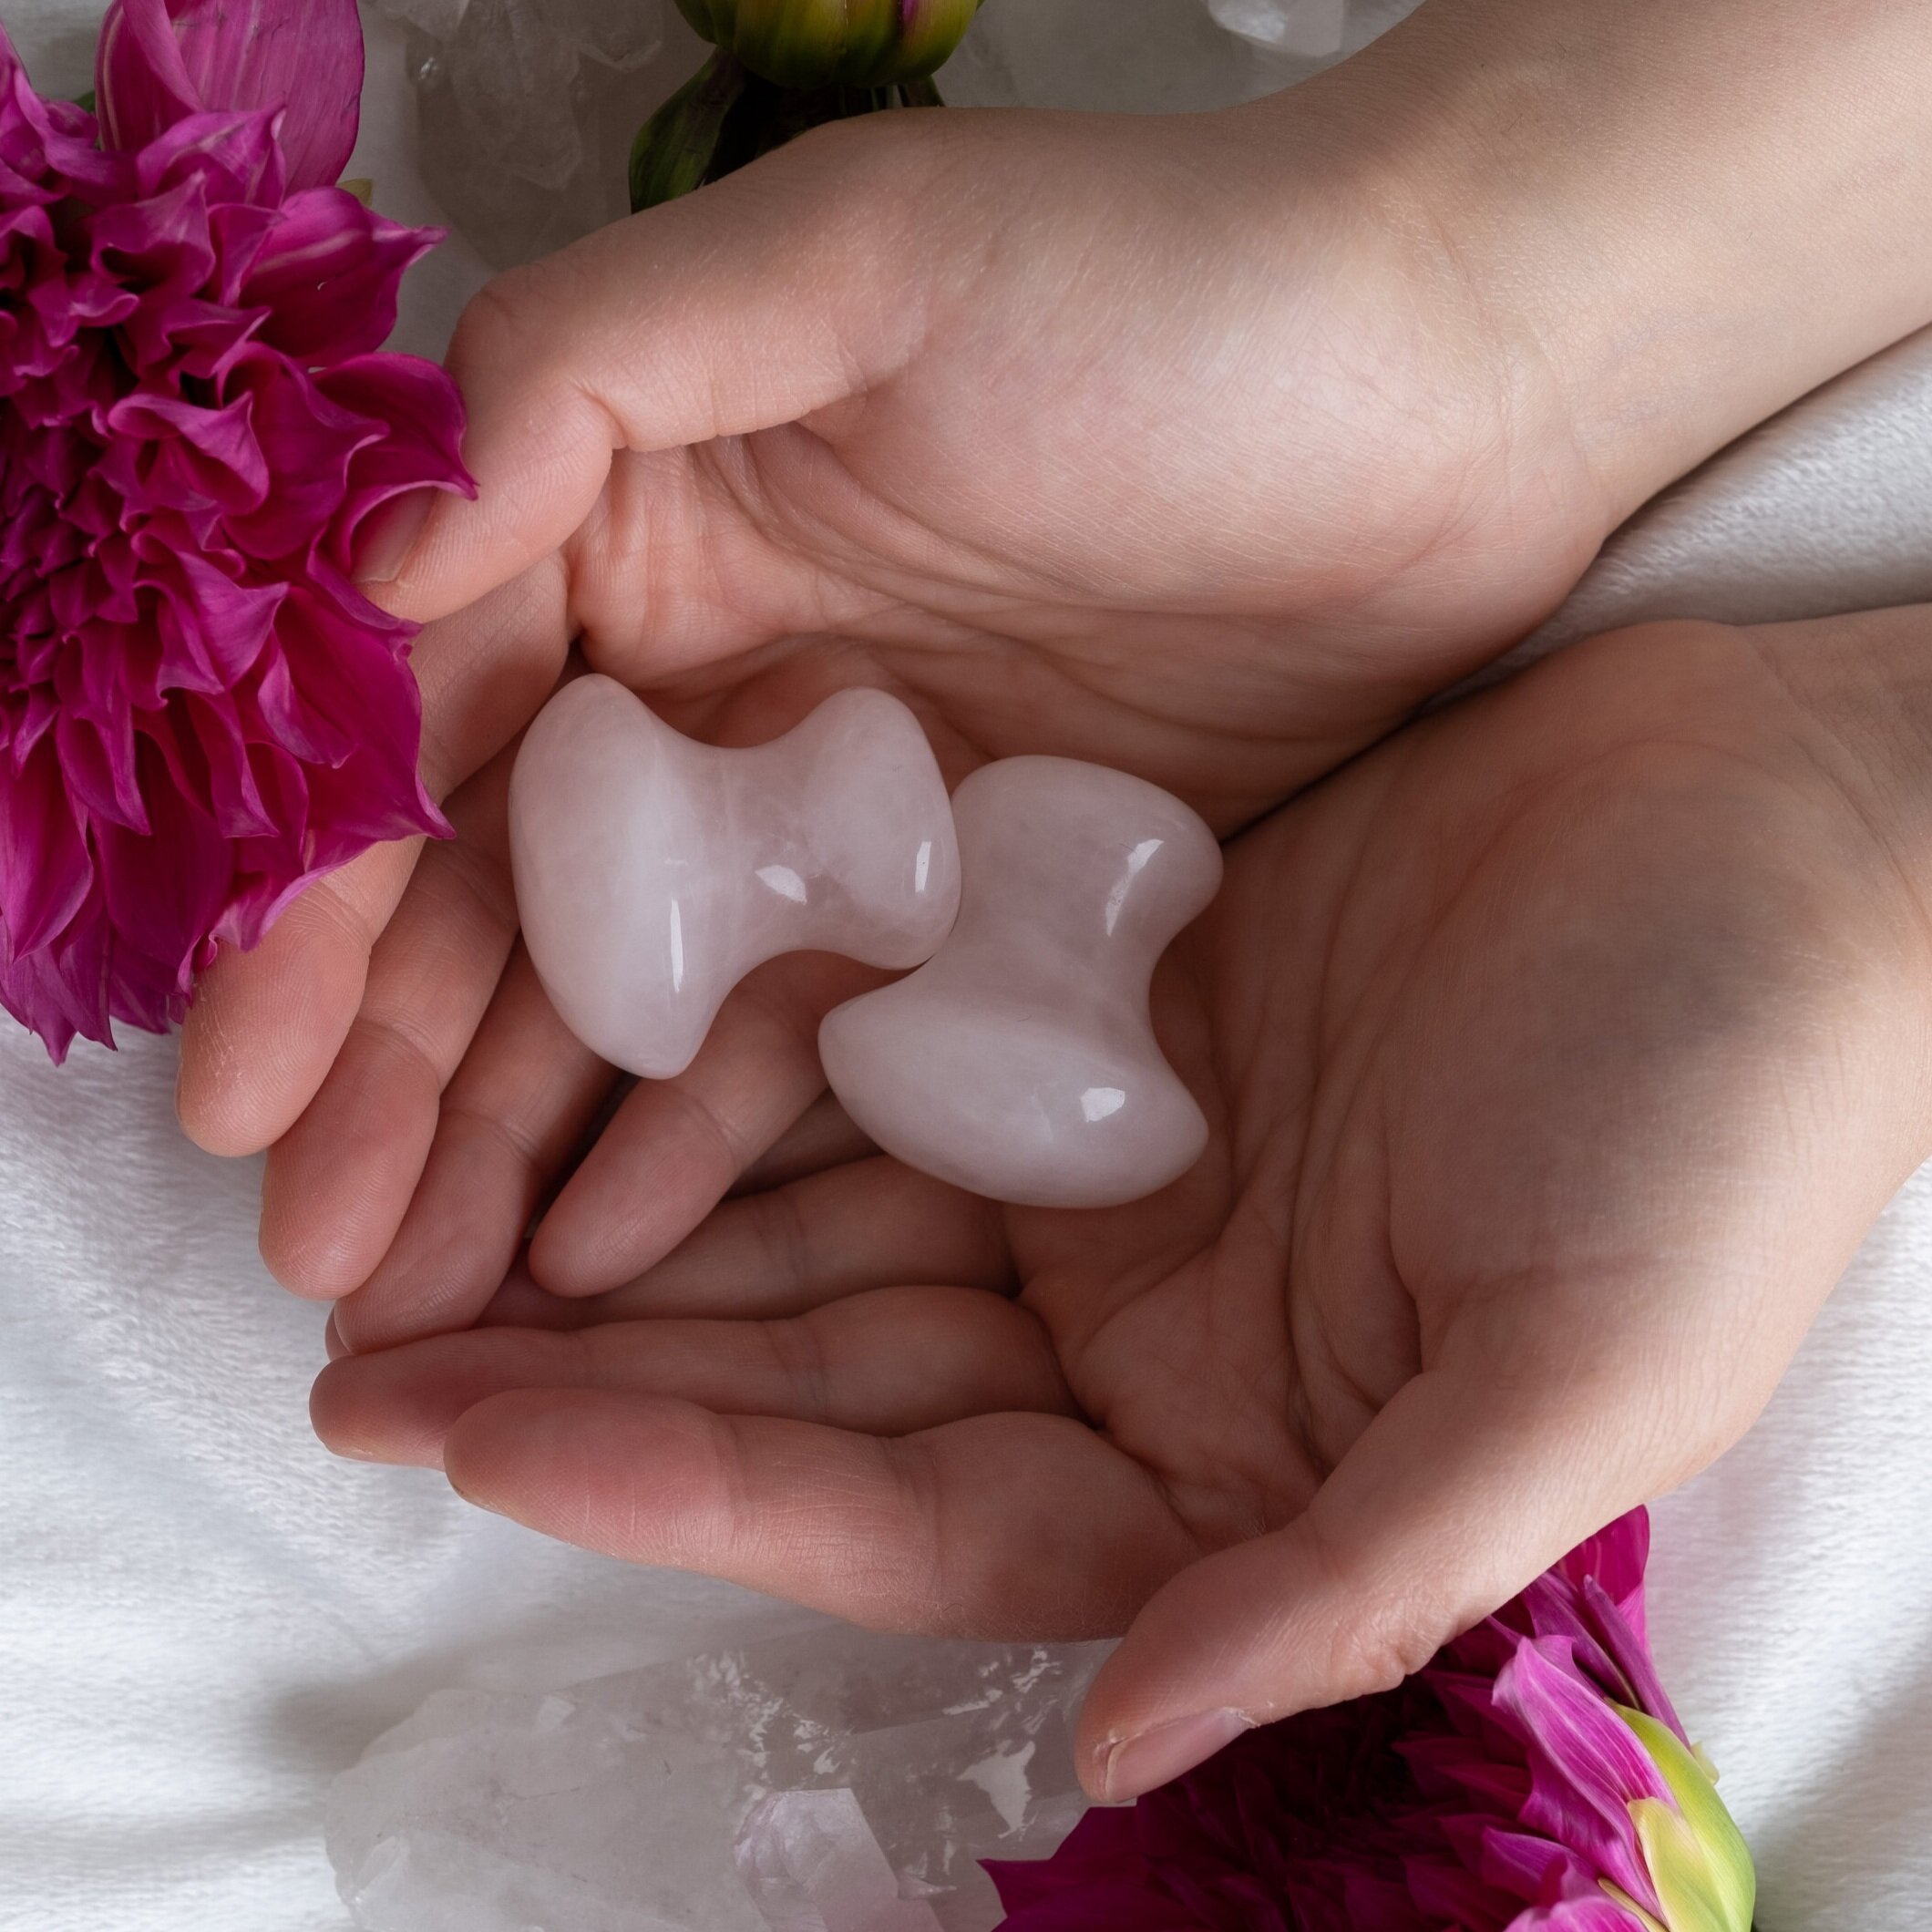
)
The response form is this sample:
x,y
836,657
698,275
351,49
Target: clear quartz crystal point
x,y
654,872
1021,1063
811,1863
829,1782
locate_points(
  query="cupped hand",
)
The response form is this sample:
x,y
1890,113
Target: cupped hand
x,y
1173,444
1558,1054
1203,446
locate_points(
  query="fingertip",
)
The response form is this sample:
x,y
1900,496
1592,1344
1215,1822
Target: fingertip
x,y
639,1477
457,1248
563,1264
337,1184
388,538
341,1419
431,560
312,1269
264,1027
632,1199
674,1149
521,1303
326,1416
307,1276
1117,1770
216,1096
539,445
356,1414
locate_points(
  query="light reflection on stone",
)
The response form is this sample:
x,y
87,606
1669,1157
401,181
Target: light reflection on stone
x,y
653,872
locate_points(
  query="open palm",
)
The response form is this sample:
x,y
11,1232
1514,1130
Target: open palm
x,y
1212,480
1555,1063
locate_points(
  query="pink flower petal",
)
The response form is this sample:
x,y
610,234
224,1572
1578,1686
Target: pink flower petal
x,y
235,157
45,871
1624,1644
161,61
1451,1894
234,796
161,242
97,768
182,455
329,272
1587,1766
63,988
312,439
168,887
1616,1557
1579,1914
417,399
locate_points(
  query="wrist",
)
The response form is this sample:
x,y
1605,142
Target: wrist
x,y
1679,218
1861,690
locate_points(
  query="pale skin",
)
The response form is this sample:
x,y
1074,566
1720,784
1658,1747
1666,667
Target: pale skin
x,y
1559,1052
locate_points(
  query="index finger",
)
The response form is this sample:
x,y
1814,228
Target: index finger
x,y
1010,1525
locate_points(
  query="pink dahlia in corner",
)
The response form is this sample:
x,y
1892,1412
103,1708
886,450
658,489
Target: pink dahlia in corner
x,y
1532,1779
199,712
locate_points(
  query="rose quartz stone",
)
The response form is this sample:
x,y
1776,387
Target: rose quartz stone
x,y
653,872
1021,1062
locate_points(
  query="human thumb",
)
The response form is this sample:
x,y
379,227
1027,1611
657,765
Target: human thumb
x,y
1455,1497
786,290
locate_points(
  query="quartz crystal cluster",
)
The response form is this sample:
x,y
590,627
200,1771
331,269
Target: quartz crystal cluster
x,y
529,107
828,1781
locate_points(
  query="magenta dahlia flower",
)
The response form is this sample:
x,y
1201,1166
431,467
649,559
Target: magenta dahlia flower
x,y
199,712
1532,1779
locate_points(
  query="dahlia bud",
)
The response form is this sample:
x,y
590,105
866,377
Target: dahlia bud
x,y
835,43
782,66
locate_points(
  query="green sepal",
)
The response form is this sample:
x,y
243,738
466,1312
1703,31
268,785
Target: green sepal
x,y
678,149
1697,1857
728,116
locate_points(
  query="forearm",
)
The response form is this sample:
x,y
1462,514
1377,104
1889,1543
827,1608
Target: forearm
x,y
1691,214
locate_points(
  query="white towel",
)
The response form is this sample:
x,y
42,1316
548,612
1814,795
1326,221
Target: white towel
x,y
203,1617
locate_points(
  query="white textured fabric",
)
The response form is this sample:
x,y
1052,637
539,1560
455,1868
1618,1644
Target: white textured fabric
x,y
1826,508
202,1617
